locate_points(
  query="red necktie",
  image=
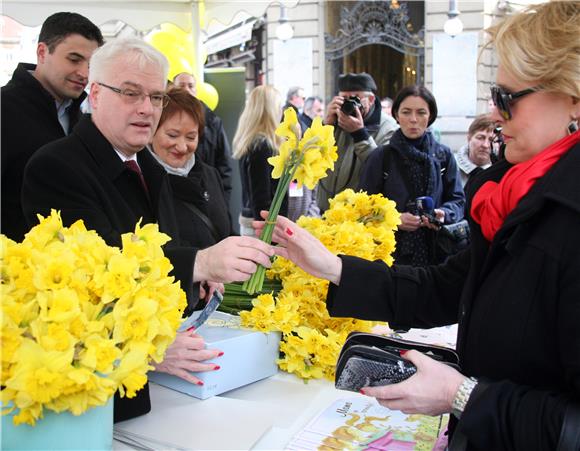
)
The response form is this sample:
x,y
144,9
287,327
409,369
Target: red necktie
x,y
134,167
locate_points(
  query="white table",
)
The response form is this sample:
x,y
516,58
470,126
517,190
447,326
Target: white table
x,y
264,415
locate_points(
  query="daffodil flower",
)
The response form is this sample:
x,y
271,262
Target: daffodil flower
x,y
305,159
80,319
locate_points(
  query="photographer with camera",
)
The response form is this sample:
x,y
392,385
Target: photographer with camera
x,y
420,175
360,126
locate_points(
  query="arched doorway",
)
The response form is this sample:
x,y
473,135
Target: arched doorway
x,y
375,37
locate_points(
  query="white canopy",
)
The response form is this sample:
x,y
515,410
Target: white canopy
x,y
143,15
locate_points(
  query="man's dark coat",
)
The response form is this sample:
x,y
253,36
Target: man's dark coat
x,y
29,121
83,177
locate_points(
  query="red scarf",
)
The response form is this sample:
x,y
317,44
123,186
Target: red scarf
x,y
493,202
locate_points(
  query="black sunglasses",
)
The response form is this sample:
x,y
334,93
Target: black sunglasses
x,y
503,99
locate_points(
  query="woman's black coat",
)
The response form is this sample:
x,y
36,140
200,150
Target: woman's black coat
x,y
204,189
517,301
258,186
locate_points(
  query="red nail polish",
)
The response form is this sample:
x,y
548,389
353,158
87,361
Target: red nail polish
x,y
403,351
217,367
362,392
220,354
191,329
199,383
289,232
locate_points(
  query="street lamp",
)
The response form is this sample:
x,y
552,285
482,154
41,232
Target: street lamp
x,y
453,26
284,30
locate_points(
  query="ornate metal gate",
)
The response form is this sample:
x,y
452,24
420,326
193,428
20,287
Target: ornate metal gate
x,y
376,22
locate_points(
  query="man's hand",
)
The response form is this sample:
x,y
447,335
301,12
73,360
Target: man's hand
x,y
351,123
332,110
206,289
233,259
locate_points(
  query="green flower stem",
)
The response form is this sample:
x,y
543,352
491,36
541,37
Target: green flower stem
x,y
255,283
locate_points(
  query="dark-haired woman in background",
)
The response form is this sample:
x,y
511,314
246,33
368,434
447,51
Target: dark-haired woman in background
x,y
414,165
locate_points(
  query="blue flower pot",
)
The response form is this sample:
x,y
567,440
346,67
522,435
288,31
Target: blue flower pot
x,y
57,431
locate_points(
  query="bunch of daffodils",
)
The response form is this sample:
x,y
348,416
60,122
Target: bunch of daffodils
x,y
356,224
305,160
80,319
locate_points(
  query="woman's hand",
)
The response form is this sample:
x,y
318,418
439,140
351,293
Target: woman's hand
x,y
186,354
409,222
429,392
299,246
439,216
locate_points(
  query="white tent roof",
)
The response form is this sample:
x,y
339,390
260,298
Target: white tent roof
x,y
142,15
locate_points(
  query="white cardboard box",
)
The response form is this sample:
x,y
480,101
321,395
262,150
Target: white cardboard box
x,y
248,357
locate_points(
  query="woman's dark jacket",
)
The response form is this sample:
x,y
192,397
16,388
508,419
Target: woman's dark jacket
x,y
258,186
517,301
388,171
203,189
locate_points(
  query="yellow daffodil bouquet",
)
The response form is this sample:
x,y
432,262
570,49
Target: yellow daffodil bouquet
x,y
356,224
81,319
305,160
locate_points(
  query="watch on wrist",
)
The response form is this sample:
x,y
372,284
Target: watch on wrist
x,y
462,396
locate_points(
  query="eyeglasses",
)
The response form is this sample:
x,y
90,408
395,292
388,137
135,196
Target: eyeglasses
x,y
132,96
503,99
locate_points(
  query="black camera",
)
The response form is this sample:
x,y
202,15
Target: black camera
x,y
350,105
424,206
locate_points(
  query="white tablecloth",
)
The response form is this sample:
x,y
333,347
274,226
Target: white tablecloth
x,y
264,415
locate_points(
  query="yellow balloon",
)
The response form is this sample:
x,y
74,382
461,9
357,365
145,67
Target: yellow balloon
x,y
208,95
178,65
177,48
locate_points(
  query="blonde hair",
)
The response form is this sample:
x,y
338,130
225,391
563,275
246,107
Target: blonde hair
x,y
542,44
260,118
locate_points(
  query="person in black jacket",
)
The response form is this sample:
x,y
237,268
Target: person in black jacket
x,y
414,165
198,196
41,103
516,291
214,146
254,142
100,174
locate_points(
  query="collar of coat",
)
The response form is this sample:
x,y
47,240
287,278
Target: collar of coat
x,y
559,185
22,78
464,163
105,156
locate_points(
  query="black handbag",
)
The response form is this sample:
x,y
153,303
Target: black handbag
x,y
375,360
452,238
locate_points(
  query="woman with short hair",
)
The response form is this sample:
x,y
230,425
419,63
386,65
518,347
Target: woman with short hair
x,y
475,155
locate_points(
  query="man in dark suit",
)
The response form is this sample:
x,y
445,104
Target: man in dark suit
x,y
99,174
41,103
214,147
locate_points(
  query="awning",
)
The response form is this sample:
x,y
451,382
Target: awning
x,y
233,36
143,15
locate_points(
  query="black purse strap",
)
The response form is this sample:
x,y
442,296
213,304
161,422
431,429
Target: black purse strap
x,y
201,215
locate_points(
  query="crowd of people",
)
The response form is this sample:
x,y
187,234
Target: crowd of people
x,y
155,152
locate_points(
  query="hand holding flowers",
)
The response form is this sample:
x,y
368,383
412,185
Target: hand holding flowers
x,y
305,160
302,248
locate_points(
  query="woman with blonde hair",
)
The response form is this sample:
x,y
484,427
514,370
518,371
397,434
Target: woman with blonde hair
x,y
516,291
254,142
